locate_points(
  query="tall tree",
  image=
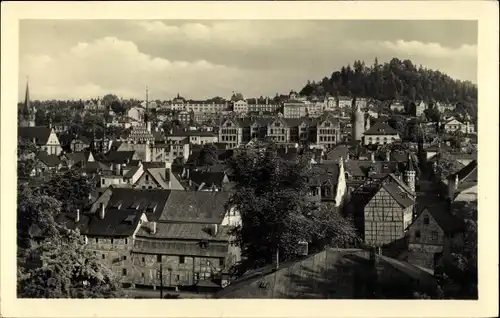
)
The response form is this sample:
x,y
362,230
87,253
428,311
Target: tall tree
x,y
277,214
62,267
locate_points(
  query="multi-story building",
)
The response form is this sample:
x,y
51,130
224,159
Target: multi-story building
x,y
328,132
161,237
443,107
330,103
397,105
362,103
231,132
136,114
380,133
294,109
195,137
279,130
265,106
344,102
454,125
240,106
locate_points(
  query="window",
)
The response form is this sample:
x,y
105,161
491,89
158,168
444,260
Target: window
x,y
124,271
112,241
417,234
426,220
177,277
97,240
103,256
124,257
196,276
182,260
142,275
434,235
143,259
147,178
203,244
126,241
158,258
221,261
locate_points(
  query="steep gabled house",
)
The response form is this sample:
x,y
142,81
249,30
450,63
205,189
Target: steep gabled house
x,y
46,164
76,158
328,132
328,183
43,137
80,143
380,133
279,130
434,229
231,132
382,209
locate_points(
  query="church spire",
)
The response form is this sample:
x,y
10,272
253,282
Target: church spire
x,y
28,112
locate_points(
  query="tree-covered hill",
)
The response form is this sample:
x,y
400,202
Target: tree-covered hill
x,y
398,79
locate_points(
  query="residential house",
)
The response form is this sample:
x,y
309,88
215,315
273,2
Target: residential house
x,y
136,113
382,209
344,102
205,180
328,183
46,164
454,125
361,103
195,137
240,106
330,103
444,107
295,109
231,132
433,229
162,237
79,144
262,105
76,158
328,132
397,105
279,130
43,137
380,133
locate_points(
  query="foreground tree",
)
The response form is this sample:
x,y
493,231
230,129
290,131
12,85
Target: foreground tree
x,y
26,158
72,189
272,198
62,267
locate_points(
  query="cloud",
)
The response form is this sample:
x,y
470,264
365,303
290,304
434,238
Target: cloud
x,y
111,65
205,58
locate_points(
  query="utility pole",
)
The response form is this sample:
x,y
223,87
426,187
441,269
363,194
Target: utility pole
x,y
161,280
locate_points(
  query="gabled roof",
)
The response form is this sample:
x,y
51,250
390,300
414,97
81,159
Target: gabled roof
x,y
195,206
399,194
337,152
116,223
40,133
119,157
138,199
48,160
446,221
185,231
467,173
323,173
208,178
381,128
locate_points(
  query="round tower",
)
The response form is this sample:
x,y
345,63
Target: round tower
x,y
410,174
358,124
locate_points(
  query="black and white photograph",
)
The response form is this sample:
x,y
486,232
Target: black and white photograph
x,y
247,159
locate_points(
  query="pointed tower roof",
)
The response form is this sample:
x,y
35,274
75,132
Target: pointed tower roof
x,y
27,102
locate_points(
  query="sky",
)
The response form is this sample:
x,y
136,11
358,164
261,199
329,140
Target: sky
x,y
73,59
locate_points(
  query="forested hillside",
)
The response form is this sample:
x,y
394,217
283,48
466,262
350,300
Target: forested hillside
x,y
394,80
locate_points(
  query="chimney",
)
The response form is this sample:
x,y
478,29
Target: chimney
x,y
388,155
102,211
372,156
153,227
77,217
213,228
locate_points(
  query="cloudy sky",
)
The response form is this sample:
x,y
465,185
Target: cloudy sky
x,y
201,59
